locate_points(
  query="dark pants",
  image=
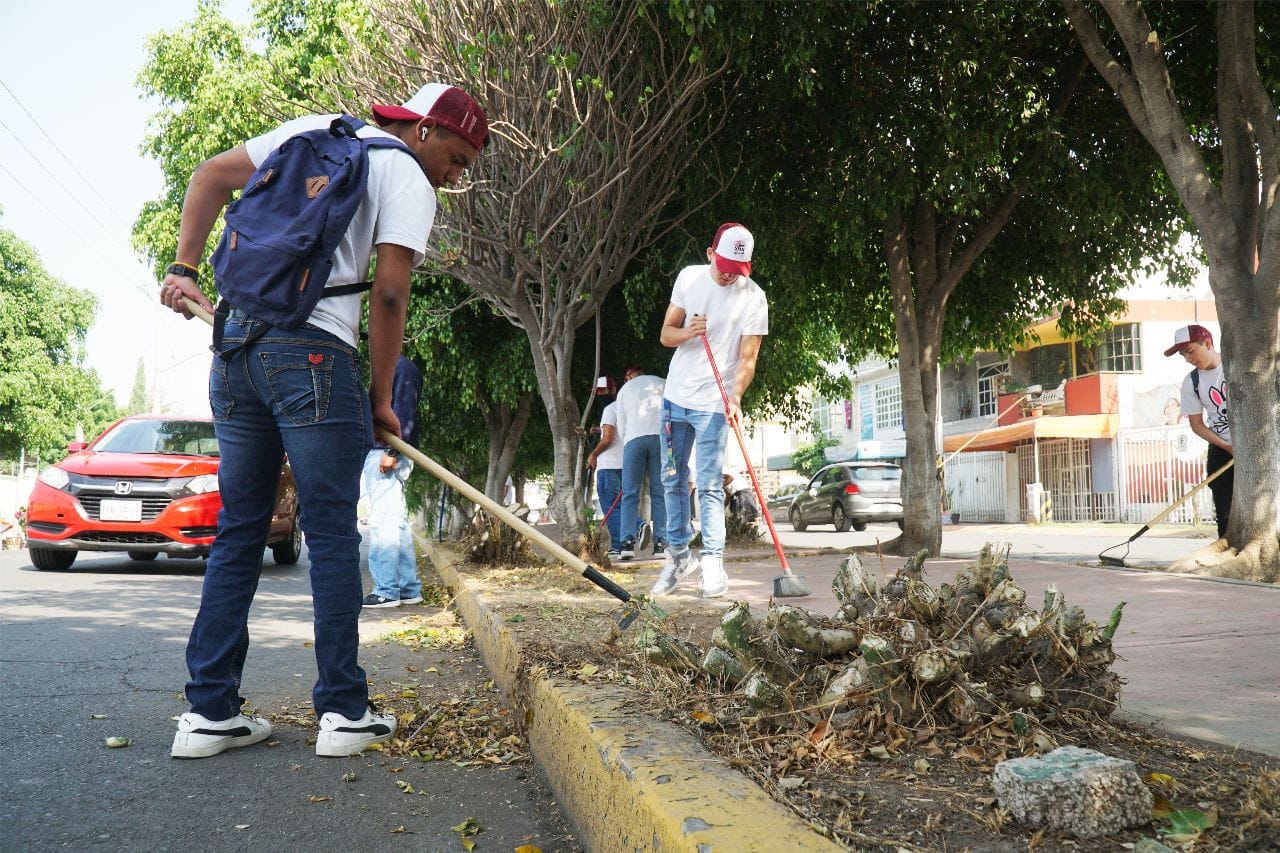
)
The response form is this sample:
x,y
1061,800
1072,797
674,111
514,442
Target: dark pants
x,y
1221,487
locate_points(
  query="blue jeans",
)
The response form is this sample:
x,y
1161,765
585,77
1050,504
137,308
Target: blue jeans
x,y
641,456
393,564
608,489
707,431
295,391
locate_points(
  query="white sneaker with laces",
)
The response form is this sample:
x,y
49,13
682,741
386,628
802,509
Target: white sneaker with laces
x,y
340,736
674,569
715,582
200,737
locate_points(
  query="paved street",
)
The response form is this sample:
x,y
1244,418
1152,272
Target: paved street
x,y
107,638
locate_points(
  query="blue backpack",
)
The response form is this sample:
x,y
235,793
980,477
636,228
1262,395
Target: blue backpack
x,y
276,252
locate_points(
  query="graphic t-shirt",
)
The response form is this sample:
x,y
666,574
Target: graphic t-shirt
x,y
1212,400
731,312
399,207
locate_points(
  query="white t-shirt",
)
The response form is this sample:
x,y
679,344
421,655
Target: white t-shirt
x,y
640,407
1212,400
399,207
731,312
611,457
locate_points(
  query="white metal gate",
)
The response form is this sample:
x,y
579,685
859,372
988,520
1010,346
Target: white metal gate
x,y
1064,473
977,486
1158,465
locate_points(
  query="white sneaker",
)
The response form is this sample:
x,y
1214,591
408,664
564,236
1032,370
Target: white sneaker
x,y
715,582
200,737
340,736
674,569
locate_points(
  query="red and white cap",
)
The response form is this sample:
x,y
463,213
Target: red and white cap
x,y
732,247
452,108
1187,335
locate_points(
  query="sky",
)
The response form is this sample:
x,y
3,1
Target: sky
x,y
72,180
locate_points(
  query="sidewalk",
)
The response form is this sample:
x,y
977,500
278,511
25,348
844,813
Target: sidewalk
x,y
1201,656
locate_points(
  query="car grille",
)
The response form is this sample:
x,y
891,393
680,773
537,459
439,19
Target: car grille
x,y
124,538
151,506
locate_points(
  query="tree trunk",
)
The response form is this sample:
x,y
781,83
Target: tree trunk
x,y
1234,215
506,428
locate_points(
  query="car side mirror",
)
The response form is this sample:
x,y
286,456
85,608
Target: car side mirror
x,y
77,446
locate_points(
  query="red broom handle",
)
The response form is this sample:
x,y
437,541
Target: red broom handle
x,y
742,445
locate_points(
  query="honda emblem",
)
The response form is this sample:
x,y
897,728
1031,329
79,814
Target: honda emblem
x,y
124,487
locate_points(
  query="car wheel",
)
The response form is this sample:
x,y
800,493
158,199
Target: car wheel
x,y
142,556
859,526
839,519
797,523
288,552
49,560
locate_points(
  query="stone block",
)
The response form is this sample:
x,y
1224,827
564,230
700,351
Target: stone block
x,y
1075,790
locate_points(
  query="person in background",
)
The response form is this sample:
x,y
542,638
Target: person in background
x,y
640,420
1204,403
393,563
606,459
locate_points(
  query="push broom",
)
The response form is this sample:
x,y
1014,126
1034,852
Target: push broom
x,y
630,604
788,584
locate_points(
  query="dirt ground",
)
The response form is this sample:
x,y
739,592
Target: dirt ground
x,y
892,789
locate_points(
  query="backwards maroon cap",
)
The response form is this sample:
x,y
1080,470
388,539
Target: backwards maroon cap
x,y
452,109
1187,335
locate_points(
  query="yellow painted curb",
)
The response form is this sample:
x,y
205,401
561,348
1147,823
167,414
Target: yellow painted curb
x,y
628,781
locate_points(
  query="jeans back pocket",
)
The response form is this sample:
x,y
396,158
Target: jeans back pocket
x,y
300,384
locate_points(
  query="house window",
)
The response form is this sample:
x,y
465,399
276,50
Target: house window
x,y
1051,364
989,377
822,414
1121,350
888,404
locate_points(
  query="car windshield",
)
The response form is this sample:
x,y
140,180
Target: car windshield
x,y
187,438
885,473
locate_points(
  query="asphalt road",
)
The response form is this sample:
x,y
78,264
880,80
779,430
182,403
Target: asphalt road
x,y
107,638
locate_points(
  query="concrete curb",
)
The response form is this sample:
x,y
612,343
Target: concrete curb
x,y
627,781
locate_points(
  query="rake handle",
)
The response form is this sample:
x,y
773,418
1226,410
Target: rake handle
x,y
742,445
476,496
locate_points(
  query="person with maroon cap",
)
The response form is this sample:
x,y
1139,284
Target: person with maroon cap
x,y
298,390
1204,403
720,301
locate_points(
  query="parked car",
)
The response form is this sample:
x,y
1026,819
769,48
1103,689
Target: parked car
x,y
146,486
779,502
849,494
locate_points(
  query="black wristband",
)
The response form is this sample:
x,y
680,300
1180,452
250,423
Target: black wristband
x,y
179,268
392,452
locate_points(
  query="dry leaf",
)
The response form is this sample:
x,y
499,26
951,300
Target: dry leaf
x,y
921,766
970,753
398,829
879,752
704,718
242,826
588,670
117,742
819,732
528,848
319,798
405,786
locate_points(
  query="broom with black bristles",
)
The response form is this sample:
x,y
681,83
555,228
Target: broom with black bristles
x,y
788,584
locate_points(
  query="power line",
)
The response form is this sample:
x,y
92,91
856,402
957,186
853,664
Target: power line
x,y
71,228
87,182
74,197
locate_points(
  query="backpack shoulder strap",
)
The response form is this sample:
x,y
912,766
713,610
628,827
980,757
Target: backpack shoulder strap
x,y
1195,381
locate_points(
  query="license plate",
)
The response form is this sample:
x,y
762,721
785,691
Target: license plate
x,y
120,510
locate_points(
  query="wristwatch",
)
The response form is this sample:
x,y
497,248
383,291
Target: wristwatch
x,y
185,270
392,452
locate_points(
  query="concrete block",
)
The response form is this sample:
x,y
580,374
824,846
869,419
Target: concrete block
x,y
1075,790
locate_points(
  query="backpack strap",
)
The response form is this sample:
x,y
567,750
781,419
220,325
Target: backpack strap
x,y
1195,381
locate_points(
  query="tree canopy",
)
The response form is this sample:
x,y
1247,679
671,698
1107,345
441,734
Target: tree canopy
x,y
45,389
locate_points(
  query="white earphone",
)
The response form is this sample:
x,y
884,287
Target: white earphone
x,y
424,134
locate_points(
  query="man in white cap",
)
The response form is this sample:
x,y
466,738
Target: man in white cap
x,y
297,390
718,301
1204,403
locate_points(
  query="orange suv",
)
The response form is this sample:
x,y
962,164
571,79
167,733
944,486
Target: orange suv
x,y
146,486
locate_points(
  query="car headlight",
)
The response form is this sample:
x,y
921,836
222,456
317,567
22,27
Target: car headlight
x,y
55,477
203,484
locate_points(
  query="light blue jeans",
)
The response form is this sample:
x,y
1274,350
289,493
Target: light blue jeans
x,y
641,456
393,564
683,429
